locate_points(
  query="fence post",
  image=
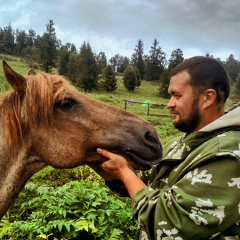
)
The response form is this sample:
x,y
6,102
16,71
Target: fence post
x,y
125,104
148,108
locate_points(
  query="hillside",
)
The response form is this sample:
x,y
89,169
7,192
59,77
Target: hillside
x,y
158,115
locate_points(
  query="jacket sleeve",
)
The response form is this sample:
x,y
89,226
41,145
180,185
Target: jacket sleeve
x,y
119,188
202,204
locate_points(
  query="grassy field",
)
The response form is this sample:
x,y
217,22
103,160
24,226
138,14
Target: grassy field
x,y
48,177
158,115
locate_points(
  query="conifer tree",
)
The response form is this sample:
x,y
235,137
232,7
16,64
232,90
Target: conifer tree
x,y
101,61
236,88
88,68
137,59
7,40
155,62
21,42
176,58
130,79
110,81
164,83
48,47
63,61
73,68
232,67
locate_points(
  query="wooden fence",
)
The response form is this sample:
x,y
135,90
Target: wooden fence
x,y
148,104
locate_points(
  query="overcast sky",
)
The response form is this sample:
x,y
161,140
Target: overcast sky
x,y
196,27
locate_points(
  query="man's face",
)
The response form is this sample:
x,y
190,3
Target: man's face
x,y
183,104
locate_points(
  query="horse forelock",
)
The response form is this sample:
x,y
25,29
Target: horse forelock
x,y
34,109
42,90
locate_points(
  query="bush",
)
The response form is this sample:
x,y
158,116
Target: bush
x,y
78,210
130,79
110,81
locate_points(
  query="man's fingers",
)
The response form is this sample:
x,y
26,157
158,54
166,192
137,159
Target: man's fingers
x,y
104,153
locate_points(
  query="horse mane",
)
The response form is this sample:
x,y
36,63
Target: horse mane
x,y
32,109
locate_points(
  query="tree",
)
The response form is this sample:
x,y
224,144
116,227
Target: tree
x,y
110,81
138,83
155,62
73,68
31,37
164,83
48,48
21,41
236,88
88,68
176,58
7,43
137,59
130,79
63,61
232,67
101,61
119,63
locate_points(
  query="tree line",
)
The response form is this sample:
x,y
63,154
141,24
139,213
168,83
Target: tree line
x,y
84,67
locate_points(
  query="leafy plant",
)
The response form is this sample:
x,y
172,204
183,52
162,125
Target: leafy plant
x,y
77,210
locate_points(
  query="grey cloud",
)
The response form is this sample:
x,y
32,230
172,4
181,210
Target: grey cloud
x,y
206,26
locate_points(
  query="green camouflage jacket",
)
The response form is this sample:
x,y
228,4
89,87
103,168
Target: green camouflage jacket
x,y
194,193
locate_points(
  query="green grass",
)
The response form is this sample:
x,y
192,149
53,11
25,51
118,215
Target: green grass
x,y
159,116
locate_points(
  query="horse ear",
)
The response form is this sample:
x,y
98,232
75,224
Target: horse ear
x,y
17,81
32,72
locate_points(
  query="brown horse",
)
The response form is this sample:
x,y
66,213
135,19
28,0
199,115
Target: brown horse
x,y
44,121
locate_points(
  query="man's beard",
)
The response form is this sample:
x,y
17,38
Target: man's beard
x,y
189,125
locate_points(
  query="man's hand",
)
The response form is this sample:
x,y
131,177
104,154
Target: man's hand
x,y
114,167
117,168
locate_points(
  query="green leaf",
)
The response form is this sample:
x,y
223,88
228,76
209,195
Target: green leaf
x,y
84,224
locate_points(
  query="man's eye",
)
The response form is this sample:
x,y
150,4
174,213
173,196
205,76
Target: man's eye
x,y
176,96
66,104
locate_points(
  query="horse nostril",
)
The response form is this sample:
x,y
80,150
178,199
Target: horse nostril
x,y
150,137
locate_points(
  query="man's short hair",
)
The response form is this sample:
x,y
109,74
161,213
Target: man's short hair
x,y
206,73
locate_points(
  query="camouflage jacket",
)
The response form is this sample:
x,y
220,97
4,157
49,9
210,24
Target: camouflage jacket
x,y
194,192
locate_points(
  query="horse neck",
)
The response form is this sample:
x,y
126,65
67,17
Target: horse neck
x,y
14,172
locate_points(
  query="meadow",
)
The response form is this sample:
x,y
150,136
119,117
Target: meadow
x,y
75,203
159,115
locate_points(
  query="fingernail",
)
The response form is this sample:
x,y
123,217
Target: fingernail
x,y
99,150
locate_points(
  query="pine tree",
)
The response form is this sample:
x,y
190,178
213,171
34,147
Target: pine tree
x,y
7,43
155,62
73,68
176,58
88,68
110,81
48,48
236,88
164,83
64,61
138,83
130,79
21,42
137,59
232,67
101,61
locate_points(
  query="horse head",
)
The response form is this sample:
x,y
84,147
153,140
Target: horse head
x,y
44,120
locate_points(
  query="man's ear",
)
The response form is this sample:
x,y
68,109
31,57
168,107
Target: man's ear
x,y
210,96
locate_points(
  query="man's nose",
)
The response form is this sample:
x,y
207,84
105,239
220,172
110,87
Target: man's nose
x,y
171,103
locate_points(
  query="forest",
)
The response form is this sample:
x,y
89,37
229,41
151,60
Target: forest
x,y
75,203
84,68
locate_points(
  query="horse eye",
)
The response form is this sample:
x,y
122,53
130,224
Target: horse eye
x,y
66,104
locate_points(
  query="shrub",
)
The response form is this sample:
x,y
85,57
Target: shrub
x,y
78,210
